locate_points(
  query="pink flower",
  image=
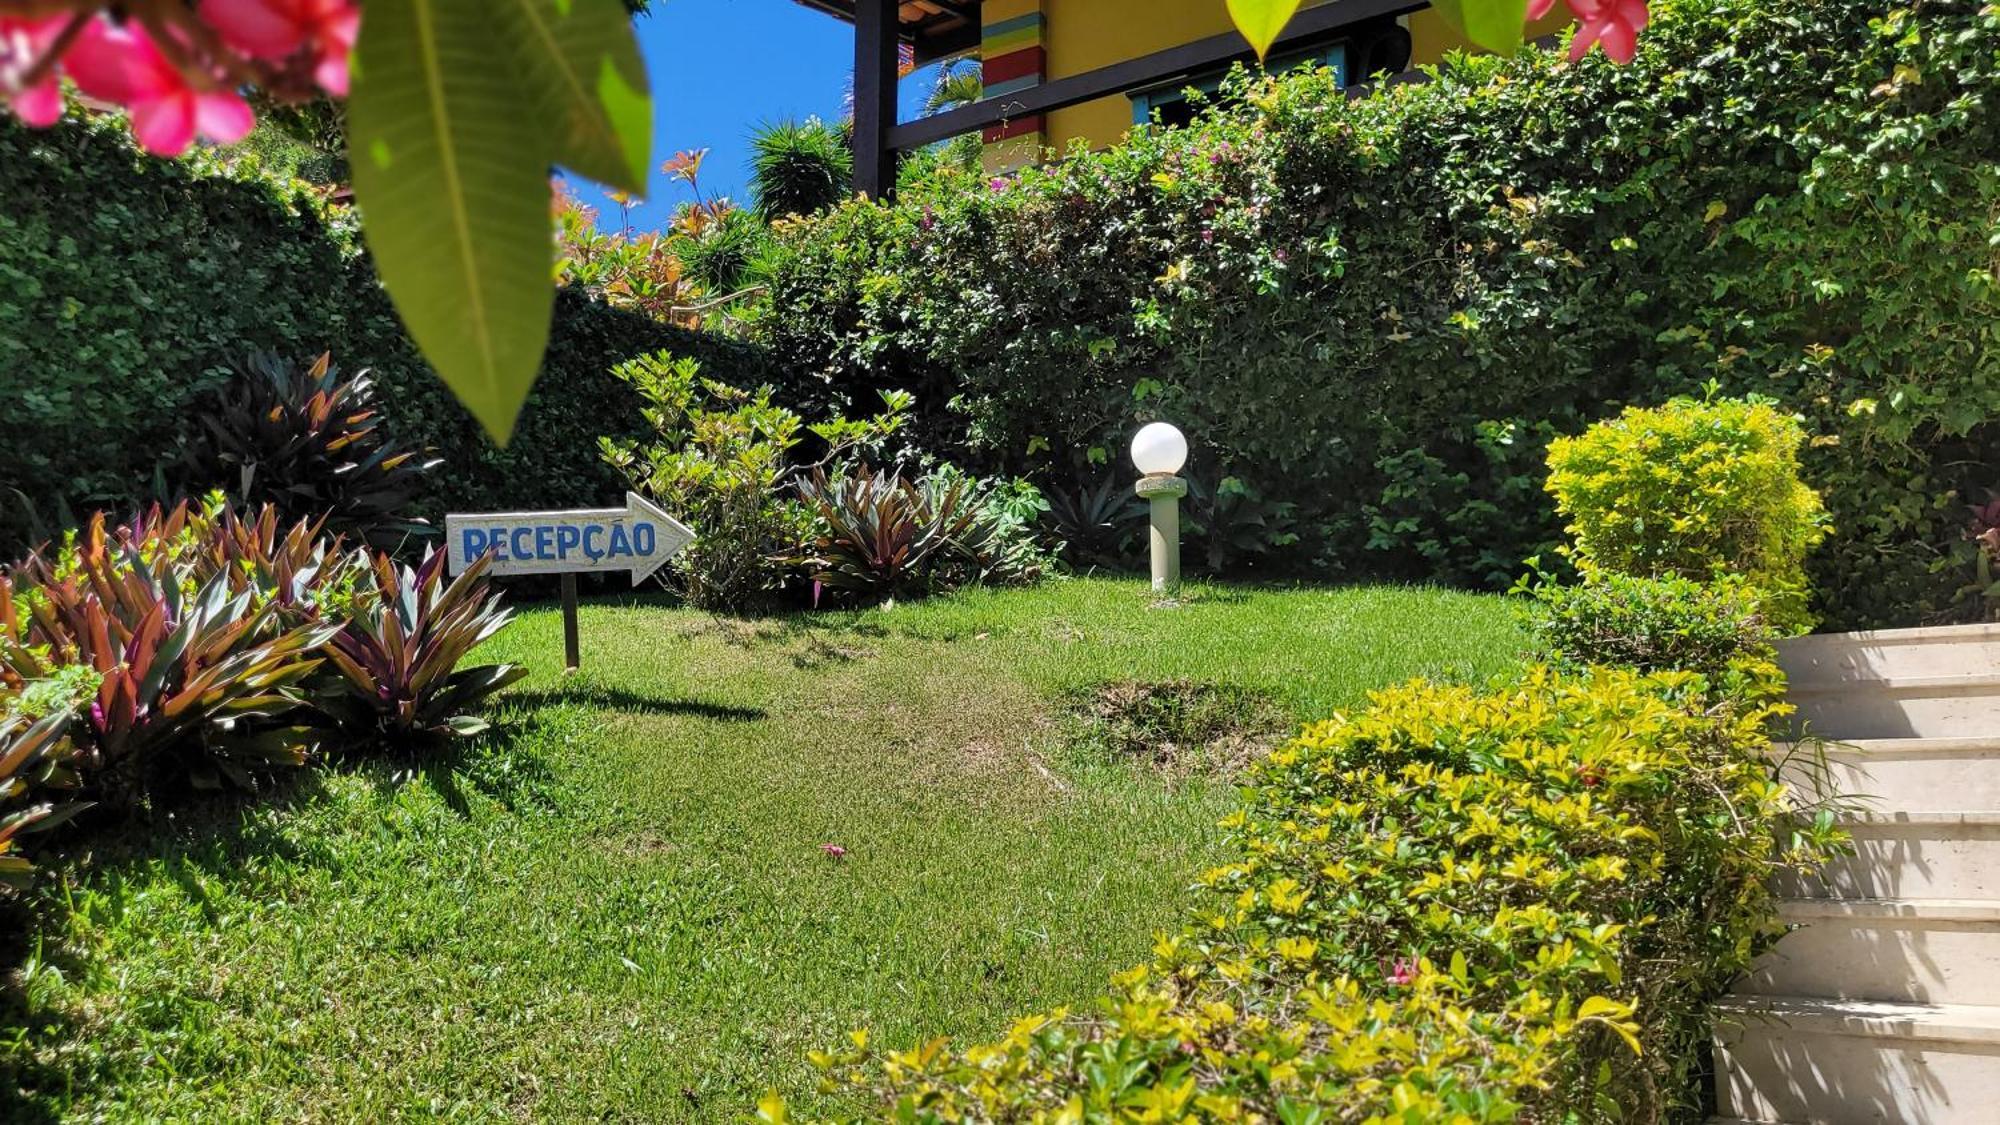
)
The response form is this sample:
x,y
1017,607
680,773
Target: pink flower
x,y
1400,972
278,29
997,183
122,64
1614,24
22,45
833,851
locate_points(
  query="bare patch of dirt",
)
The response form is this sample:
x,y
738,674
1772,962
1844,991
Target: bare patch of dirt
x,y
1180,728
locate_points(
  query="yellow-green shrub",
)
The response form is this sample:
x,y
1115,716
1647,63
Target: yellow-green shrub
x,y
1699,488
1453,906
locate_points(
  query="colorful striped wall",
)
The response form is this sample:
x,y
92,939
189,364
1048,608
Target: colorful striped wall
x,y
1014,57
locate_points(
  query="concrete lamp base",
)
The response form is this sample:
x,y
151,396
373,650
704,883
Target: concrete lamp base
x,y
1164,491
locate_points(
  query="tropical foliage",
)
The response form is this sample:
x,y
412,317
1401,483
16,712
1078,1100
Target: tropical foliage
x,y
779,507
189,657
1381,309
191,646
309,442
399,654
35,766
103,391
800,167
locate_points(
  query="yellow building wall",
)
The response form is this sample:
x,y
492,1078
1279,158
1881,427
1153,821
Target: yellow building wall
x,y
1083,35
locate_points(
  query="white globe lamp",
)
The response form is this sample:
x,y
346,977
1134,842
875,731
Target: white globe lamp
x,y
1158,451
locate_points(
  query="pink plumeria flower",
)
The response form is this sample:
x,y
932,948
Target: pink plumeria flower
x,y
122,64
833,851
279,29
1612,24
22,45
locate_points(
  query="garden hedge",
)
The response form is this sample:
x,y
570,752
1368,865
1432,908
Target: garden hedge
x,y
128,284
1382,309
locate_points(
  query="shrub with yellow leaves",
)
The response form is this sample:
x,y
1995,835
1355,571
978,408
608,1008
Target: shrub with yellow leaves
x,y
1456,905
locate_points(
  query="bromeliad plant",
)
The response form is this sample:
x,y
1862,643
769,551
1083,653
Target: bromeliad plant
x,y
309,441
186,644
1099,524
397,658
879,535
193,666
34,766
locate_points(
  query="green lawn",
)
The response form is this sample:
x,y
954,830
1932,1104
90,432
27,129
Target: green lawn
x,y
618,908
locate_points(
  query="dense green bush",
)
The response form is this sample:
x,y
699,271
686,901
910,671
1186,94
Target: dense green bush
x,y
1702,489
779,507
129,285
1648,624
1454,905
1381,310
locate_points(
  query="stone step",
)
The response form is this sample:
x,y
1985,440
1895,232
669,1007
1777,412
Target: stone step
x,y
1951,650
1922,951
1902,774
1949,706
1855,1062
1916,855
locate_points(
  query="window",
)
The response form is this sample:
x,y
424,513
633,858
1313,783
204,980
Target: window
x,y
1375,48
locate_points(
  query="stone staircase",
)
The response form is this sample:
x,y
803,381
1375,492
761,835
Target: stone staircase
x,y
1884,1006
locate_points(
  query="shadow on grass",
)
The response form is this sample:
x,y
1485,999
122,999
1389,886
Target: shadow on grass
x,y
632,702
203,842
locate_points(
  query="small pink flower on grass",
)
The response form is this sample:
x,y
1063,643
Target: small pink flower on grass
x,y
833,851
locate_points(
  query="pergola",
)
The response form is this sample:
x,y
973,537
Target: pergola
x,y
941,28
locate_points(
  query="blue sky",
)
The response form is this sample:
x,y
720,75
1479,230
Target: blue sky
x,y
721,67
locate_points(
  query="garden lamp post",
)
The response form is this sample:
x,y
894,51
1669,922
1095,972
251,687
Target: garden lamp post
x,y
1159,450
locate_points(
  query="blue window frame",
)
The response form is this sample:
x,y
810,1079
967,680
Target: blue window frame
x,y
1171,97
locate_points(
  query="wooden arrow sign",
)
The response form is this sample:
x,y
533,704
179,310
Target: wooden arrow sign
x,y
640,538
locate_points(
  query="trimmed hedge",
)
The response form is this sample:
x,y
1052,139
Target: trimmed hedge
x,y
127,283
1381,310
1453,905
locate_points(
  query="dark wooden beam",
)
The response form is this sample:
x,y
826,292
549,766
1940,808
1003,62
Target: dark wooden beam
x,y
875,33
1132,74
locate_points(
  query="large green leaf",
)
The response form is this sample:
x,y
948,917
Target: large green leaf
x,y
1261,21
1493,24
589,84
450,166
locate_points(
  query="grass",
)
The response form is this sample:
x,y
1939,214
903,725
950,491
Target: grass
x,y
618,908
